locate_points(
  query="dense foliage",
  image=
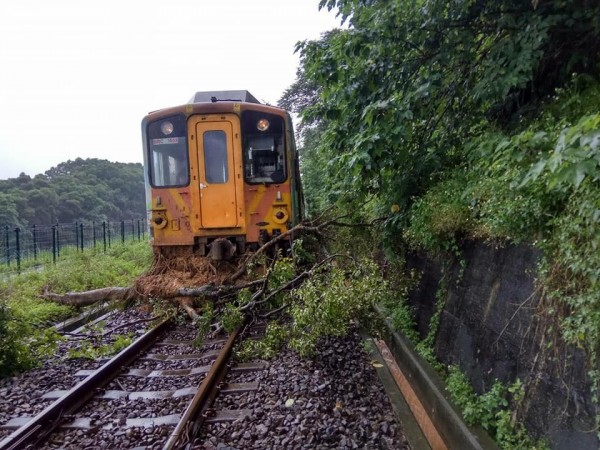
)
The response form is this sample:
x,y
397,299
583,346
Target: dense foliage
x,y
402,88
90,189
324,305
490,410
468,119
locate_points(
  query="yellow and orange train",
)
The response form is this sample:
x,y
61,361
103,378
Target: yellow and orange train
x,y
221,173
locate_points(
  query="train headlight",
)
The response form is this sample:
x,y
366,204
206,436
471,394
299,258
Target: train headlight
x,y
263,125
166,127
280,216
159,220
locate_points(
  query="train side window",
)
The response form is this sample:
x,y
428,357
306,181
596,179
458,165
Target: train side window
x,y
169,163
215,156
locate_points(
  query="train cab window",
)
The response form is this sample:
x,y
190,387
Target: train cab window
x,y
169,165
264,148
215,156
168,154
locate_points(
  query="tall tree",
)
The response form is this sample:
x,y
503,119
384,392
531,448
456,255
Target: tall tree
x,y
408,81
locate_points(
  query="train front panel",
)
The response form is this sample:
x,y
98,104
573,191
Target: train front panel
x,y
220,171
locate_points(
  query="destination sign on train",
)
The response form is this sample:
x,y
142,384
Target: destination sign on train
x,y
163,141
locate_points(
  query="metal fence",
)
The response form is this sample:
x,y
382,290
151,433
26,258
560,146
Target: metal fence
x,y
42,244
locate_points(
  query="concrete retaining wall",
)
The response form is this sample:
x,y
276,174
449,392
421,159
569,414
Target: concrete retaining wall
x,y
489,328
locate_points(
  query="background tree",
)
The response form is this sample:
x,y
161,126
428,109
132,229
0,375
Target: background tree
x,y
90,189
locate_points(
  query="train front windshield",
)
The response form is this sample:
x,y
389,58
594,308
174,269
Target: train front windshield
x,y
169,164
264,148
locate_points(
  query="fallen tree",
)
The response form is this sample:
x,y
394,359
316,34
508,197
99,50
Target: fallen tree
x,y
188,281
298,296
87,298
301,296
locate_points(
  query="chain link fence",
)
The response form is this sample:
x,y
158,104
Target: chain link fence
x,y
42,244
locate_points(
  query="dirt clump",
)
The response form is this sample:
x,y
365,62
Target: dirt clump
x,y
171,272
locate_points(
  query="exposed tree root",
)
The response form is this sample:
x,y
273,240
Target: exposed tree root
x,y
187,305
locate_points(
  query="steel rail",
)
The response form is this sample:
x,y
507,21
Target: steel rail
x,y
49,419
73,323
202,398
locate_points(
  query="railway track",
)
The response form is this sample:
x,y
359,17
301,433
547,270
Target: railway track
x,y
157,394
330,401
21,395
139,398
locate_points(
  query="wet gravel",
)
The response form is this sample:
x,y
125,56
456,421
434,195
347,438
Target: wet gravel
x,y
20,395
138,384
110,417
334,400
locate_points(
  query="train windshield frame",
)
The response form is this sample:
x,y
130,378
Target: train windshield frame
x,y
168,153
264,151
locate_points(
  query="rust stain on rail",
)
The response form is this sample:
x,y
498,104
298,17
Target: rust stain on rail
x,y
429,431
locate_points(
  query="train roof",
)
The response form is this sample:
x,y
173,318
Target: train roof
x,y
224,96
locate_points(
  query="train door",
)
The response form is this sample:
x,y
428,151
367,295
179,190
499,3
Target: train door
x,y
217,173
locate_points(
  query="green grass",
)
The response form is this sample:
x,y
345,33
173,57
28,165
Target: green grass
x,y
25,316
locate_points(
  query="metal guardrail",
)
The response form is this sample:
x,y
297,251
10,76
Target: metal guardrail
x,y
45,243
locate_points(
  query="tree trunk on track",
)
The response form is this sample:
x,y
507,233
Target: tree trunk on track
x,y
216,285
91,297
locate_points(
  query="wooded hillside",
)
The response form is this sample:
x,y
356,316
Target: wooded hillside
x,y
466,121
84,189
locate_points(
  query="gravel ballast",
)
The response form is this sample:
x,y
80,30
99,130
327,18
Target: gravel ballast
x,y
333,400
21,395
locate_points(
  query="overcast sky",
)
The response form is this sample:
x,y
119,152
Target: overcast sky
x,y
77,77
